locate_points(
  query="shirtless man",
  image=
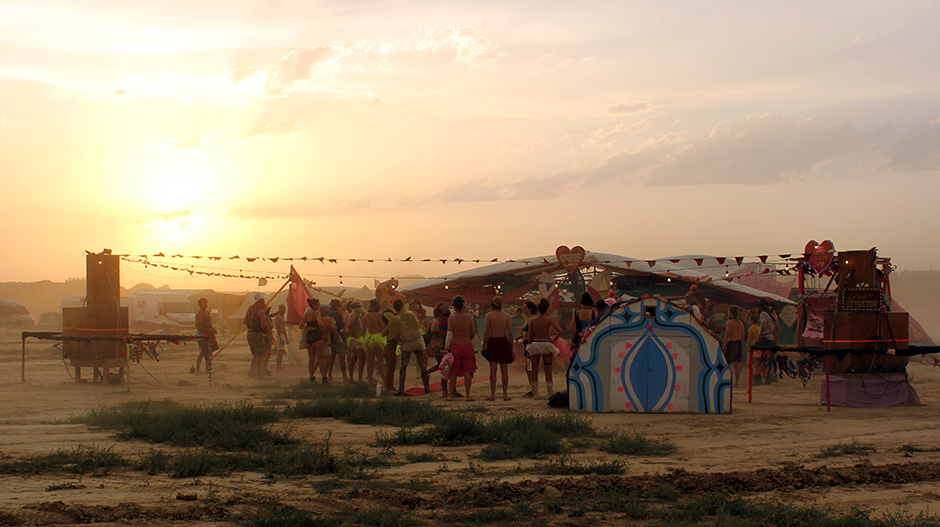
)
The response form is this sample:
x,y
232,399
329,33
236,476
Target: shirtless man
x,y
542,348
497,341
460,333
374,340
204,328
257,323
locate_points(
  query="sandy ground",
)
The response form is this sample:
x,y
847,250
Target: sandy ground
x,y
782,429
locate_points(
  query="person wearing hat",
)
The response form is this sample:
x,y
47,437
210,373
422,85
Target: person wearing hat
x,y
257,322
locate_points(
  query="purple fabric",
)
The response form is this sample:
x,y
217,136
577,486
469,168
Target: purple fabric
x,y
871,392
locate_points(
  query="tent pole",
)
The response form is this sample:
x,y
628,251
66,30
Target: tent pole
x,y
242,330
23,364
750,374
828,397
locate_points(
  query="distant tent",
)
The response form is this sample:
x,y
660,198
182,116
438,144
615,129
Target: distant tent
x,y
49,321
649,355
14,315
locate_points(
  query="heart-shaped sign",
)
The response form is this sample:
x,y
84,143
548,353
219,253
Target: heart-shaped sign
x,y
570,259
819,255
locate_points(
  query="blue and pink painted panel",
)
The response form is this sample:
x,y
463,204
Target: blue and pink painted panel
x,y
649,356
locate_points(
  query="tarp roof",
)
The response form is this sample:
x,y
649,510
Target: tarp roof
x,y
625,265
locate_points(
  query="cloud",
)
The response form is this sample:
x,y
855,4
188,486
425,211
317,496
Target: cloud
x,y
359,204
188,145
239,75
287,127
628,108
296,66
324,63
533,188
468,45
304,211
605,138
917,150
764,149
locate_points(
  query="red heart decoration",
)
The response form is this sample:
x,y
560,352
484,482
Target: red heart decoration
x,y
570,259
819,255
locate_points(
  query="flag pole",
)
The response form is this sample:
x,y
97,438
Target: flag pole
x,y
242,330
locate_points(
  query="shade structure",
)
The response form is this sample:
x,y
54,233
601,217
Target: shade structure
x,y
652,356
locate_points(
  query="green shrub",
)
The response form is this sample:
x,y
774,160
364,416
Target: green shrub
x,y
77,460
220,427
567,466
846,449
635,444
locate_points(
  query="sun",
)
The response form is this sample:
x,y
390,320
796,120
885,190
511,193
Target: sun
x,y
172,185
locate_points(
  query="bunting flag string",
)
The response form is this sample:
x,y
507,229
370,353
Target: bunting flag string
x,y
203,270
784,259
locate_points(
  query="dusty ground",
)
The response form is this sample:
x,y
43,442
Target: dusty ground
x,y
765,448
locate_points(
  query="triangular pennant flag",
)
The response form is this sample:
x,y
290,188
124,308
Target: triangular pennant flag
x,y
699,261
721,261
785,256
629,263
739,260
674,260
763,259
651,263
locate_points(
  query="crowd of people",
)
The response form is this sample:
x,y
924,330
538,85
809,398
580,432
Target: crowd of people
x,y
368,343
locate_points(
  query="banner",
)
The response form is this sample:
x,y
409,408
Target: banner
x,y
297,296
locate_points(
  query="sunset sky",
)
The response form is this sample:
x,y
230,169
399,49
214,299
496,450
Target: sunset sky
x,y
359,129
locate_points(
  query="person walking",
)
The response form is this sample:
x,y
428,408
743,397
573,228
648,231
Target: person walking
x,y
313,339
497,345
257,322
204,329
460,333
411,342
734,343
543,329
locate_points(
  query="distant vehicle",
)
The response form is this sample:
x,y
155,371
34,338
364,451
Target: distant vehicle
x,y
167,311
153,311
14,315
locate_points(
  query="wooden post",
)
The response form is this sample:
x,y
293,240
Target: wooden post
x,y
23,365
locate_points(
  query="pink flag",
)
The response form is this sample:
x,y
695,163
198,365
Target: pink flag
x,y
297,296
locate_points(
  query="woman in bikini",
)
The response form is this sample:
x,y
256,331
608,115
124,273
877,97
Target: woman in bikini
x,y
374,340
543,329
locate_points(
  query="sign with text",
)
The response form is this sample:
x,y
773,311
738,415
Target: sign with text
x,y
860,299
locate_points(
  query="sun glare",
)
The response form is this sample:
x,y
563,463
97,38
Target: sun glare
x,y
172,185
